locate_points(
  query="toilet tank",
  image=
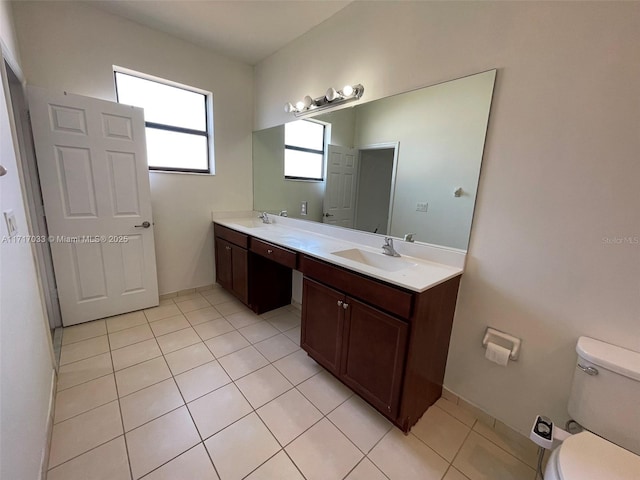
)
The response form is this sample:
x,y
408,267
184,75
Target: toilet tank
x,y
605,394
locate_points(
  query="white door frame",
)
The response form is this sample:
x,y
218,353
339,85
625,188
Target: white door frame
x,y
36,224
379,146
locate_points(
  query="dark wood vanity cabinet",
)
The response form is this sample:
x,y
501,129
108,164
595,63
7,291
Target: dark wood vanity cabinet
x,y
232,268
256,272
361,345
388,344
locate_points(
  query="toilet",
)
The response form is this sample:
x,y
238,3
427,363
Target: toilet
x,y
605,400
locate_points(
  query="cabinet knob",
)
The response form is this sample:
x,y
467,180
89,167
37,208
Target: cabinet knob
x,y
345,305
339,303
228,247
269,251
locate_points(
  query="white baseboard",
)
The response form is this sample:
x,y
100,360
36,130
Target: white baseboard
x,y
44,458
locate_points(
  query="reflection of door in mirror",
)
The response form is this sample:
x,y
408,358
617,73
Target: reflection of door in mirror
x,y
340,191
374,195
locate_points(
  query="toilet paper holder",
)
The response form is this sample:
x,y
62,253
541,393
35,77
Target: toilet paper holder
x,y
504,340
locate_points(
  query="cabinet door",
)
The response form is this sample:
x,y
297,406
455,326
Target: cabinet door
x,y
224,267
322,324
374,351
240,269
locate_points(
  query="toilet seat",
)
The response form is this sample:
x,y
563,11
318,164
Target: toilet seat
x,y
586,456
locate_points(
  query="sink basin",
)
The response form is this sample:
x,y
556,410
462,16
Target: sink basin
x,y
377,260
251,223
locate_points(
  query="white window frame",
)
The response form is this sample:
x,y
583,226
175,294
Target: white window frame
x,y
208,112
310,150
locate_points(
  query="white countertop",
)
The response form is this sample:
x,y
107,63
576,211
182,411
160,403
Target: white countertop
x,y
419,267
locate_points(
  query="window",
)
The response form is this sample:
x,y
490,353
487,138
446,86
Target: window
x,y
177,119
304,150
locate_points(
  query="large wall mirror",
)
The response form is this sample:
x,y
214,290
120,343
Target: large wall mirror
x,y
408,163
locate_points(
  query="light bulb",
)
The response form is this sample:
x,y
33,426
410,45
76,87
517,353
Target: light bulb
x,y
300,106
308,101
347,91
288,107
331,94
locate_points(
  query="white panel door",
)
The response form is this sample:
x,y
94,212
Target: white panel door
x,y
92,164
340,190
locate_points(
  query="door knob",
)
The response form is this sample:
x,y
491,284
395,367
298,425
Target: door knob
x,y
327,214
144,225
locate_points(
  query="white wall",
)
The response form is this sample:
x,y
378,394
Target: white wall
x,y
560,171
72,47
26,367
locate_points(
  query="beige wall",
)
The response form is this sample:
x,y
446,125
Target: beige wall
x,y
72,47
26,367
560,171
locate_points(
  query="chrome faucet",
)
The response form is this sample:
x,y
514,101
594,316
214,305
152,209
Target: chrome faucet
x,y
408,237
264,217
388,249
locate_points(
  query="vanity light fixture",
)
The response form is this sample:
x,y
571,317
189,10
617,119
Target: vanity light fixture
x,y
330,99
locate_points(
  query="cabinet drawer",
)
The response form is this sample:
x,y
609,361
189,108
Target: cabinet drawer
x,y
273,252
232,236
386,297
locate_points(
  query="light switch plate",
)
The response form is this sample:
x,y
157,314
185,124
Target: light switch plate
x,y
303,208
10,220
422,206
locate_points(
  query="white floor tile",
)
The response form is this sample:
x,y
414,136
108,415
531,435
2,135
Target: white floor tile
x,y
240,448
275,348
82,398
160,440
122,338
188,358
218,410
193,464
441,431
213,328
193,304
142,375
480,459
162,311
285,322
324,391
294,334
168,325
258,331
201,380
297,367
106,462
149,403
82,349
241,363
227,343
263,385
134,354
84,432
230,307
402,457
454,474
322,452
366,470
83,331
202,315
278,467
241,318
177,340
363,425
124,321
83,371
289,415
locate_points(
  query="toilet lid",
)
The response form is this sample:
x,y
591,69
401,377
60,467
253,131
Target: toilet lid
x,y
586,456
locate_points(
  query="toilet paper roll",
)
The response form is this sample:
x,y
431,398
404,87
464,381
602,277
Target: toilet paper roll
x,y
497,354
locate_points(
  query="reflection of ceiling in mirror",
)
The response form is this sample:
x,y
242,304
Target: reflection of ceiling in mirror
x,y
439,132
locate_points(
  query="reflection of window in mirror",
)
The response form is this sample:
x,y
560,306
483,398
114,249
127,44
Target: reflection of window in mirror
x,y
304,147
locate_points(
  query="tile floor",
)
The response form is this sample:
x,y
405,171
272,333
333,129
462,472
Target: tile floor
x,y
201,388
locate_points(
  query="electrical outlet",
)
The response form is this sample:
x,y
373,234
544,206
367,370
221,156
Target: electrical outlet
x,y
422,206
10,220
303,208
